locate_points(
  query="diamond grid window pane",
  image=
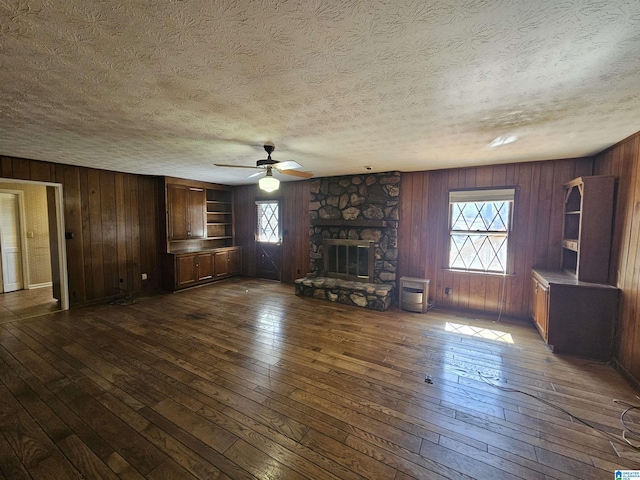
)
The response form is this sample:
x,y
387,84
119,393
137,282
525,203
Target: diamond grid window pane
x,y
479,234
268,222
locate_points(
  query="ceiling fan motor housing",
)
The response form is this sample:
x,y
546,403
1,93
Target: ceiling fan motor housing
x,y
268,161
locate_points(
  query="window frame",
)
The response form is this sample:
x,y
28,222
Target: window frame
x,y
257,230
477,195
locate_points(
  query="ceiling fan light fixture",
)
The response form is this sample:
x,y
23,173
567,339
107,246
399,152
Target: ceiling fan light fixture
x,y
269,183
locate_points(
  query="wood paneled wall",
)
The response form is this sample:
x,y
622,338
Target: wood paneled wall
x,y
623,161
535,238
294,198
113,218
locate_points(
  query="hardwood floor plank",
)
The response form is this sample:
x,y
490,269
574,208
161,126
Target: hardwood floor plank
x,y
242,380
198,446
360,463
169,470
259,464
84,459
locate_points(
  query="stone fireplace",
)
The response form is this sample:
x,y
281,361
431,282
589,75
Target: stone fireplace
x,y
354,240
358,208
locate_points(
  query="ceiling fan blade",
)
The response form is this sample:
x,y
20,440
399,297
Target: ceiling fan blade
x,y
255,174
288,165
297,173
233,166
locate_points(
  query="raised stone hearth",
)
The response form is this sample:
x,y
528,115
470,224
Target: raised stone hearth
x,y
374,296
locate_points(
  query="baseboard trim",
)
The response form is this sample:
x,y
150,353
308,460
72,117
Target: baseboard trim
x,y
627,376
40,285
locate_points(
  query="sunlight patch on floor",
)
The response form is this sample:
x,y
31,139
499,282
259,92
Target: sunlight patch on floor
x,y
478,332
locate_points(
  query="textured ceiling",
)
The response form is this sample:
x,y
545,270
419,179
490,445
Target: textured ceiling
x,y
169,87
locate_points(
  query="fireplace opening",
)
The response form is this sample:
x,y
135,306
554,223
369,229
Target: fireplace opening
x,y
349,259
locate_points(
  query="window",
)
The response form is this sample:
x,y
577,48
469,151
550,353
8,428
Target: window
x,y
479,226
268,221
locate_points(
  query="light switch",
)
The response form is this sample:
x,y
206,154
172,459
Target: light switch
x,y
29,234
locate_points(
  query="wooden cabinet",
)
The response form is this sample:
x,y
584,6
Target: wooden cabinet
x,y
540,306
186,212
192,269
204,263
586,230
227,262
200,235
185,269
574,317
195,268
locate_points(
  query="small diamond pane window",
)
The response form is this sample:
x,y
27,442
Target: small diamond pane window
x,y
479,235
268,222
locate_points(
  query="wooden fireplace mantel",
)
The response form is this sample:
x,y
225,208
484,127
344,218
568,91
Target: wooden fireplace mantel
x,y
350,223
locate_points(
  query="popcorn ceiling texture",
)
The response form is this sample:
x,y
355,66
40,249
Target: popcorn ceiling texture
x,y
170,87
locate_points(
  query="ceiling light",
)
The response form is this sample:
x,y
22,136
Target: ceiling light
x,y
502,140
269,183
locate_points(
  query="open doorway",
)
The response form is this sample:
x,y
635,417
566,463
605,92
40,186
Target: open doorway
x,y
33,277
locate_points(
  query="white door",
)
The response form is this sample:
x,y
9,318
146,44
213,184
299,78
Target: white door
x,y
10,243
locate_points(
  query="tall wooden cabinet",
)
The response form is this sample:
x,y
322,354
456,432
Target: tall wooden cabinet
x,y
200,234
574,309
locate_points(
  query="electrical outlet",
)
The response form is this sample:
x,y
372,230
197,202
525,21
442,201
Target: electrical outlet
x,y
144,276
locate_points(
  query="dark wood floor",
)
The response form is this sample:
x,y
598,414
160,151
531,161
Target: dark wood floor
x,y
243,379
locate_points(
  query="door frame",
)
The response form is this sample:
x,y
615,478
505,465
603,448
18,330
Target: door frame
x,y
62,246
22,237
280,201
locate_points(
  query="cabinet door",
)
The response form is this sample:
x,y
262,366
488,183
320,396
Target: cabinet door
x,y
186,270
178,206
221,267
197,215
204,262
540,307
235,261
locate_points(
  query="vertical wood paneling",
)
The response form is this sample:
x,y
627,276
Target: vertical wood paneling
x,y
20,169
109,233
96,258
295,224
6,165
121,231
623,161
132,232
70,178
537,223
148,217
40,171
114,228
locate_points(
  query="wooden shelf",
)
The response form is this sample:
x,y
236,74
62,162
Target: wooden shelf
x,y
220,238
218,223
586,230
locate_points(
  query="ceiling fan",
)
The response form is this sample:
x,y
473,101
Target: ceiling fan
x,y
269,183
